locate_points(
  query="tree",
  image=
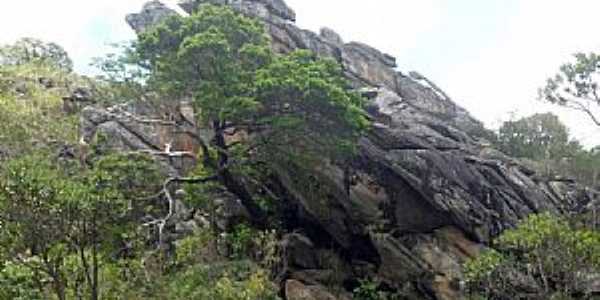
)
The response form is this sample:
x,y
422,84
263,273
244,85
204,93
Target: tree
x,y
120,77
537,137
576,86
585,167
32,115
262,108
27,50
52,219
545,257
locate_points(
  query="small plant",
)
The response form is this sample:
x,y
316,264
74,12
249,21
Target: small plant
x,y
240,240
367,290
193,249
484,266
19,283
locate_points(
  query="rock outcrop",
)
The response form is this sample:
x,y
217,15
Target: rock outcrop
x,y
427,193
152,13
143,128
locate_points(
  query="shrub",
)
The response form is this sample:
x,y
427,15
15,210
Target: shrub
x,y
544,256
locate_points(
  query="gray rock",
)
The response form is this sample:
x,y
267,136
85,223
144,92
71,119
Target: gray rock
x,y
296,290
152,13
331,36
369,65
299,252
229,212
141,128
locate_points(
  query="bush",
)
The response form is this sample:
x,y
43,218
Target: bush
x,y
370,290
545,256
19,283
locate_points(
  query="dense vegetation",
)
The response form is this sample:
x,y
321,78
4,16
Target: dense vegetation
x,y
545,257
74,228
544,143
92,227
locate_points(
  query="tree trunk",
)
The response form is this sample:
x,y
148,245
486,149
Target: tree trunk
x,y
94,283
59,288
233,184
237,188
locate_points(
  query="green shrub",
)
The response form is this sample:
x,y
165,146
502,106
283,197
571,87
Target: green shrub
x,y
19,283
545,256
367,290
240,240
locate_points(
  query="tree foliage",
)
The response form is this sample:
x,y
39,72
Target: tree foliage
x,y
28,50
48,215
576,86
585,167
223,61
544,257
262,108
120,79
544,143
74,230
537,137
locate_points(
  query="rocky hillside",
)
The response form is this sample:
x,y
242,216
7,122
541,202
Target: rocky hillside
x,y
426,194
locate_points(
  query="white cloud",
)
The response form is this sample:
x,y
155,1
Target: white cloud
x,y
83,27
504,78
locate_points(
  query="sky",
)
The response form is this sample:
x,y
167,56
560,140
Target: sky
x,y
489,56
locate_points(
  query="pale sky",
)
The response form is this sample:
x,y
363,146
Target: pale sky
x,y
489,56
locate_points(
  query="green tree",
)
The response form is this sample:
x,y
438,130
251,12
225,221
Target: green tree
x,y
54,217
120,79
576,86
585,167
32,108
261,108
33,214
537,137
28,50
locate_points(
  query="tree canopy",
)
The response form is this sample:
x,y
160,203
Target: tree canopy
x,y
576,86
27,50
223,61
262,108
537,137
545,257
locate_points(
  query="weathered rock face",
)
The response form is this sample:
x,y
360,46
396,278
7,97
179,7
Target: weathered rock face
x,y
427,192
152,13
142,128
296,290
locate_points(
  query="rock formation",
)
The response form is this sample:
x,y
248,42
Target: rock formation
x,y
152,13
428,192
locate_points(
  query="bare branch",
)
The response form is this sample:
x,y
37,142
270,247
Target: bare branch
x,y
168,154
580,107
162,222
